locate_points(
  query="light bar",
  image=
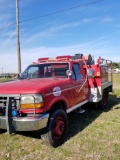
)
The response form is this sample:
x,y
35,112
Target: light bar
x,y
67,57
52,59
43,59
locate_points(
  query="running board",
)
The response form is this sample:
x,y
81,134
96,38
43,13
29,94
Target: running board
x,y
79,110
76,106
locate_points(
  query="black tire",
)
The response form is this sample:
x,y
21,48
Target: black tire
x,y
103,103
55,133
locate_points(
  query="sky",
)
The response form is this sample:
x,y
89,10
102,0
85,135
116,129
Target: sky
x,y
85,27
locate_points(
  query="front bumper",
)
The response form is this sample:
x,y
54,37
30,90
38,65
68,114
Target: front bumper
x,y
33,123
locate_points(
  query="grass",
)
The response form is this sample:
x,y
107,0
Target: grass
x,y
116,83
94,135
5,79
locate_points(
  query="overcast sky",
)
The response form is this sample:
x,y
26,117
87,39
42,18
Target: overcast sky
x,y
89,29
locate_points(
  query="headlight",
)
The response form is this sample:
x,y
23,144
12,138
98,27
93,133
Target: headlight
x,y
31,101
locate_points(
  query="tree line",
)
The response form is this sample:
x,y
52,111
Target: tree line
x,y
116,65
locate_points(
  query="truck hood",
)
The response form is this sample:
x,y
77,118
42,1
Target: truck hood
x,y
28,86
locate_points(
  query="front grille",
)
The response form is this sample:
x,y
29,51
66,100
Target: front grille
x,y
6,100
3,101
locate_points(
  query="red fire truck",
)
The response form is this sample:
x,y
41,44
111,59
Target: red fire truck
x,y
43,95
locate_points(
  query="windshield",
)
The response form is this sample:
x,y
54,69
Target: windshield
x,y
45,71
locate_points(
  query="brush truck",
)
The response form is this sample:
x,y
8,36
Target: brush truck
x,y
49,89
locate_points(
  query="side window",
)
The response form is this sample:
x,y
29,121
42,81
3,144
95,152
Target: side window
x,y
33,72
76,72
73,75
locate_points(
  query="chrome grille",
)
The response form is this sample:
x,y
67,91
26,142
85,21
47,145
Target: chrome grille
x,y
4,100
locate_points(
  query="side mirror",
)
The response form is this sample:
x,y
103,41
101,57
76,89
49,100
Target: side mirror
x,y
18,76
90,73
69,73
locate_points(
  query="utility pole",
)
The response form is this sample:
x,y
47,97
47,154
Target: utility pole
x,y
17,37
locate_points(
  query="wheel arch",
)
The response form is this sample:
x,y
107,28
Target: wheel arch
x,y
58,105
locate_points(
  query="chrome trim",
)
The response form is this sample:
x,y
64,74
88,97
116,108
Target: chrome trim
x,y
5,97
3,122
68,88
26,123
95,94
106,84
9,95
76,106
30,123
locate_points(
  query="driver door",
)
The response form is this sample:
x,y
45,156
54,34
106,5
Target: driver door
x,y
78,81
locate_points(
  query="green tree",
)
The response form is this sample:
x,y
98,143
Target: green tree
x,y
116,65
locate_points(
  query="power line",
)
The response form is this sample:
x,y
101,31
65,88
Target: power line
x,y
8,26
60,11
57,12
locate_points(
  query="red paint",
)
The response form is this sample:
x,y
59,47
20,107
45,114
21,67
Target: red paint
x,y
72,92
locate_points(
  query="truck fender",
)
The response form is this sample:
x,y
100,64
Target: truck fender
x,y
58,100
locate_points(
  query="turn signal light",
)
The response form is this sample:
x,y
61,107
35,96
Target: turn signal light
x,y
32,105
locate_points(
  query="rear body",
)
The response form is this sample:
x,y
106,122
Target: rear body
x,y
101,81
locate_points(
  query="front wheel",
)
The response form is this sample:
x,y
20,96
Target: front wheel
x,y
103,103
55,132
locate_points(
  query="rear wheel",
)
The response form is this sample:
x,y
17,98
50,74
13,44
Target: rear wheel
x,y
103,103
55,132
